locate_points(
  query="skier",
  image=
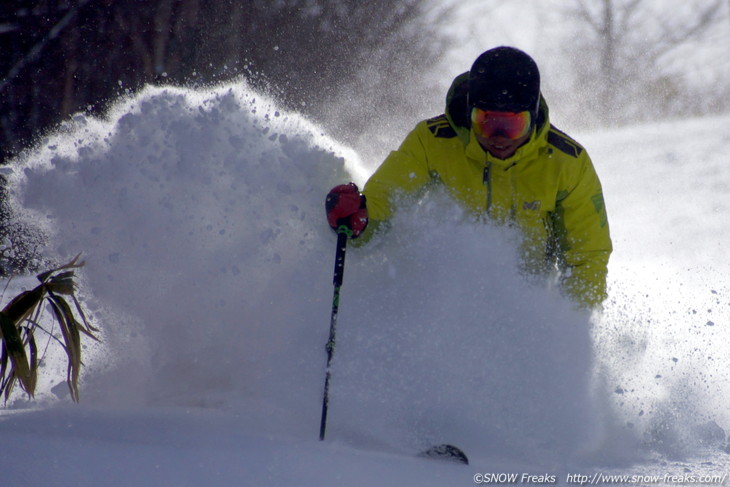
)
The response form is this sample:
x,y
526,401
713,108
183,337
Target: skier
x,y
497,154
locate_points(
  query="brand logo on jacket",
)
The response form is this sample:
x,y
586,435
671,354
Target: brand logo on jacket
x,y
532,205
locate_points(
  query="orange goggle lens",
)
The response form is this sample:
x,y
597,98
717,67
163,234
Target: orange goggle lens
x,y
507,124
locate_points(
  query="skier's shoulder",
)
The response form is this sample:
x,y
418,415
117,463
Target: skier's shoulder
x,y
439,127
565,144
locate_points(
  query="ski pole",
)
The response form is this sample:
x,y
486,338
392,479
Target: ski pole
x,y
343,233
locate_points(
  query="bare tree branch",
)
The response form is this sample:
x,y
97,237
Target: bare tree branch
x,y
36,50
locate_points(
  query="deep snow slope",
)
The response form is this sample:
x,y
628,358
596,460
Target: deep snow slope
x,y
209,267
667,324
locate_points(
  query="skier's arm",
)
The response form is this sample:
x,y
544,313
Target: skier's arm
x,y
403,173
586,240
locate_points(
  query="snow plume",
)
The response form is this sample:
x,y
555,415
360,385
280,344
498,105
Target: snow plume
x,y
200,215
209,269
661,351
443,340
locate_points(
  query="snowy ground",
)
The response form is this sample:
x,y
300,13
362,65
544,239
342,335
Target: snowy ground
x,y
209,261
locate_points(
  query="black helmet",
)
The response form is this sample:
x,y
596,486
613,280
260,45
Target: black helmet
x,y
504,79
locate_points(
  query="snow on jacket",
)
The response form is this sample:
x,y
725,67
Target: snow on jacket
x,y
548,188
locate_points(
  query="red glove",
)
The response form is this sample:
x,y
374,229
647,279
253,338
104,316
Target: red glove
x,y
346,207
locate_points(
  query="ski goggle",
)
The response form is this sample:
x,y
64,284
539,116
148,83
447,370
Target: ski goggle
x,y
507,124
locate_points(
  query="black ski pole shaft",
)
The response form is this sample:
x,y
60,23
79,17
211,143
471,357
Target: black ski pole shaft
x,y
342,235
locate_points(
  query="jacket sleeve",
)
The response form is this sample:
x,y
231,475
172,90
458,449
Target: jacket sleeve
x,y
584,237
403,173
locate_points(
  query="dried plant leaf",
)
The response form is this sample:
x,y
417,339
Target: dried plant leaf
x,y
60,288
43,277
8,385
4,362
72,339
23,304
61,284
19,321
73,322
13,343
33,353
89,327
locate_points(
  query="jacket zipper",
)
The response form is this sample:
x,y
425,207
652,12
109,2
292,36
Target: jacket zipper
x,y
487,180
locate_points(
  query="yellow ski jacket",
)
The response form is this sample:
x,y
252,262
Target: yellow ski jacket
x,y
548,188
